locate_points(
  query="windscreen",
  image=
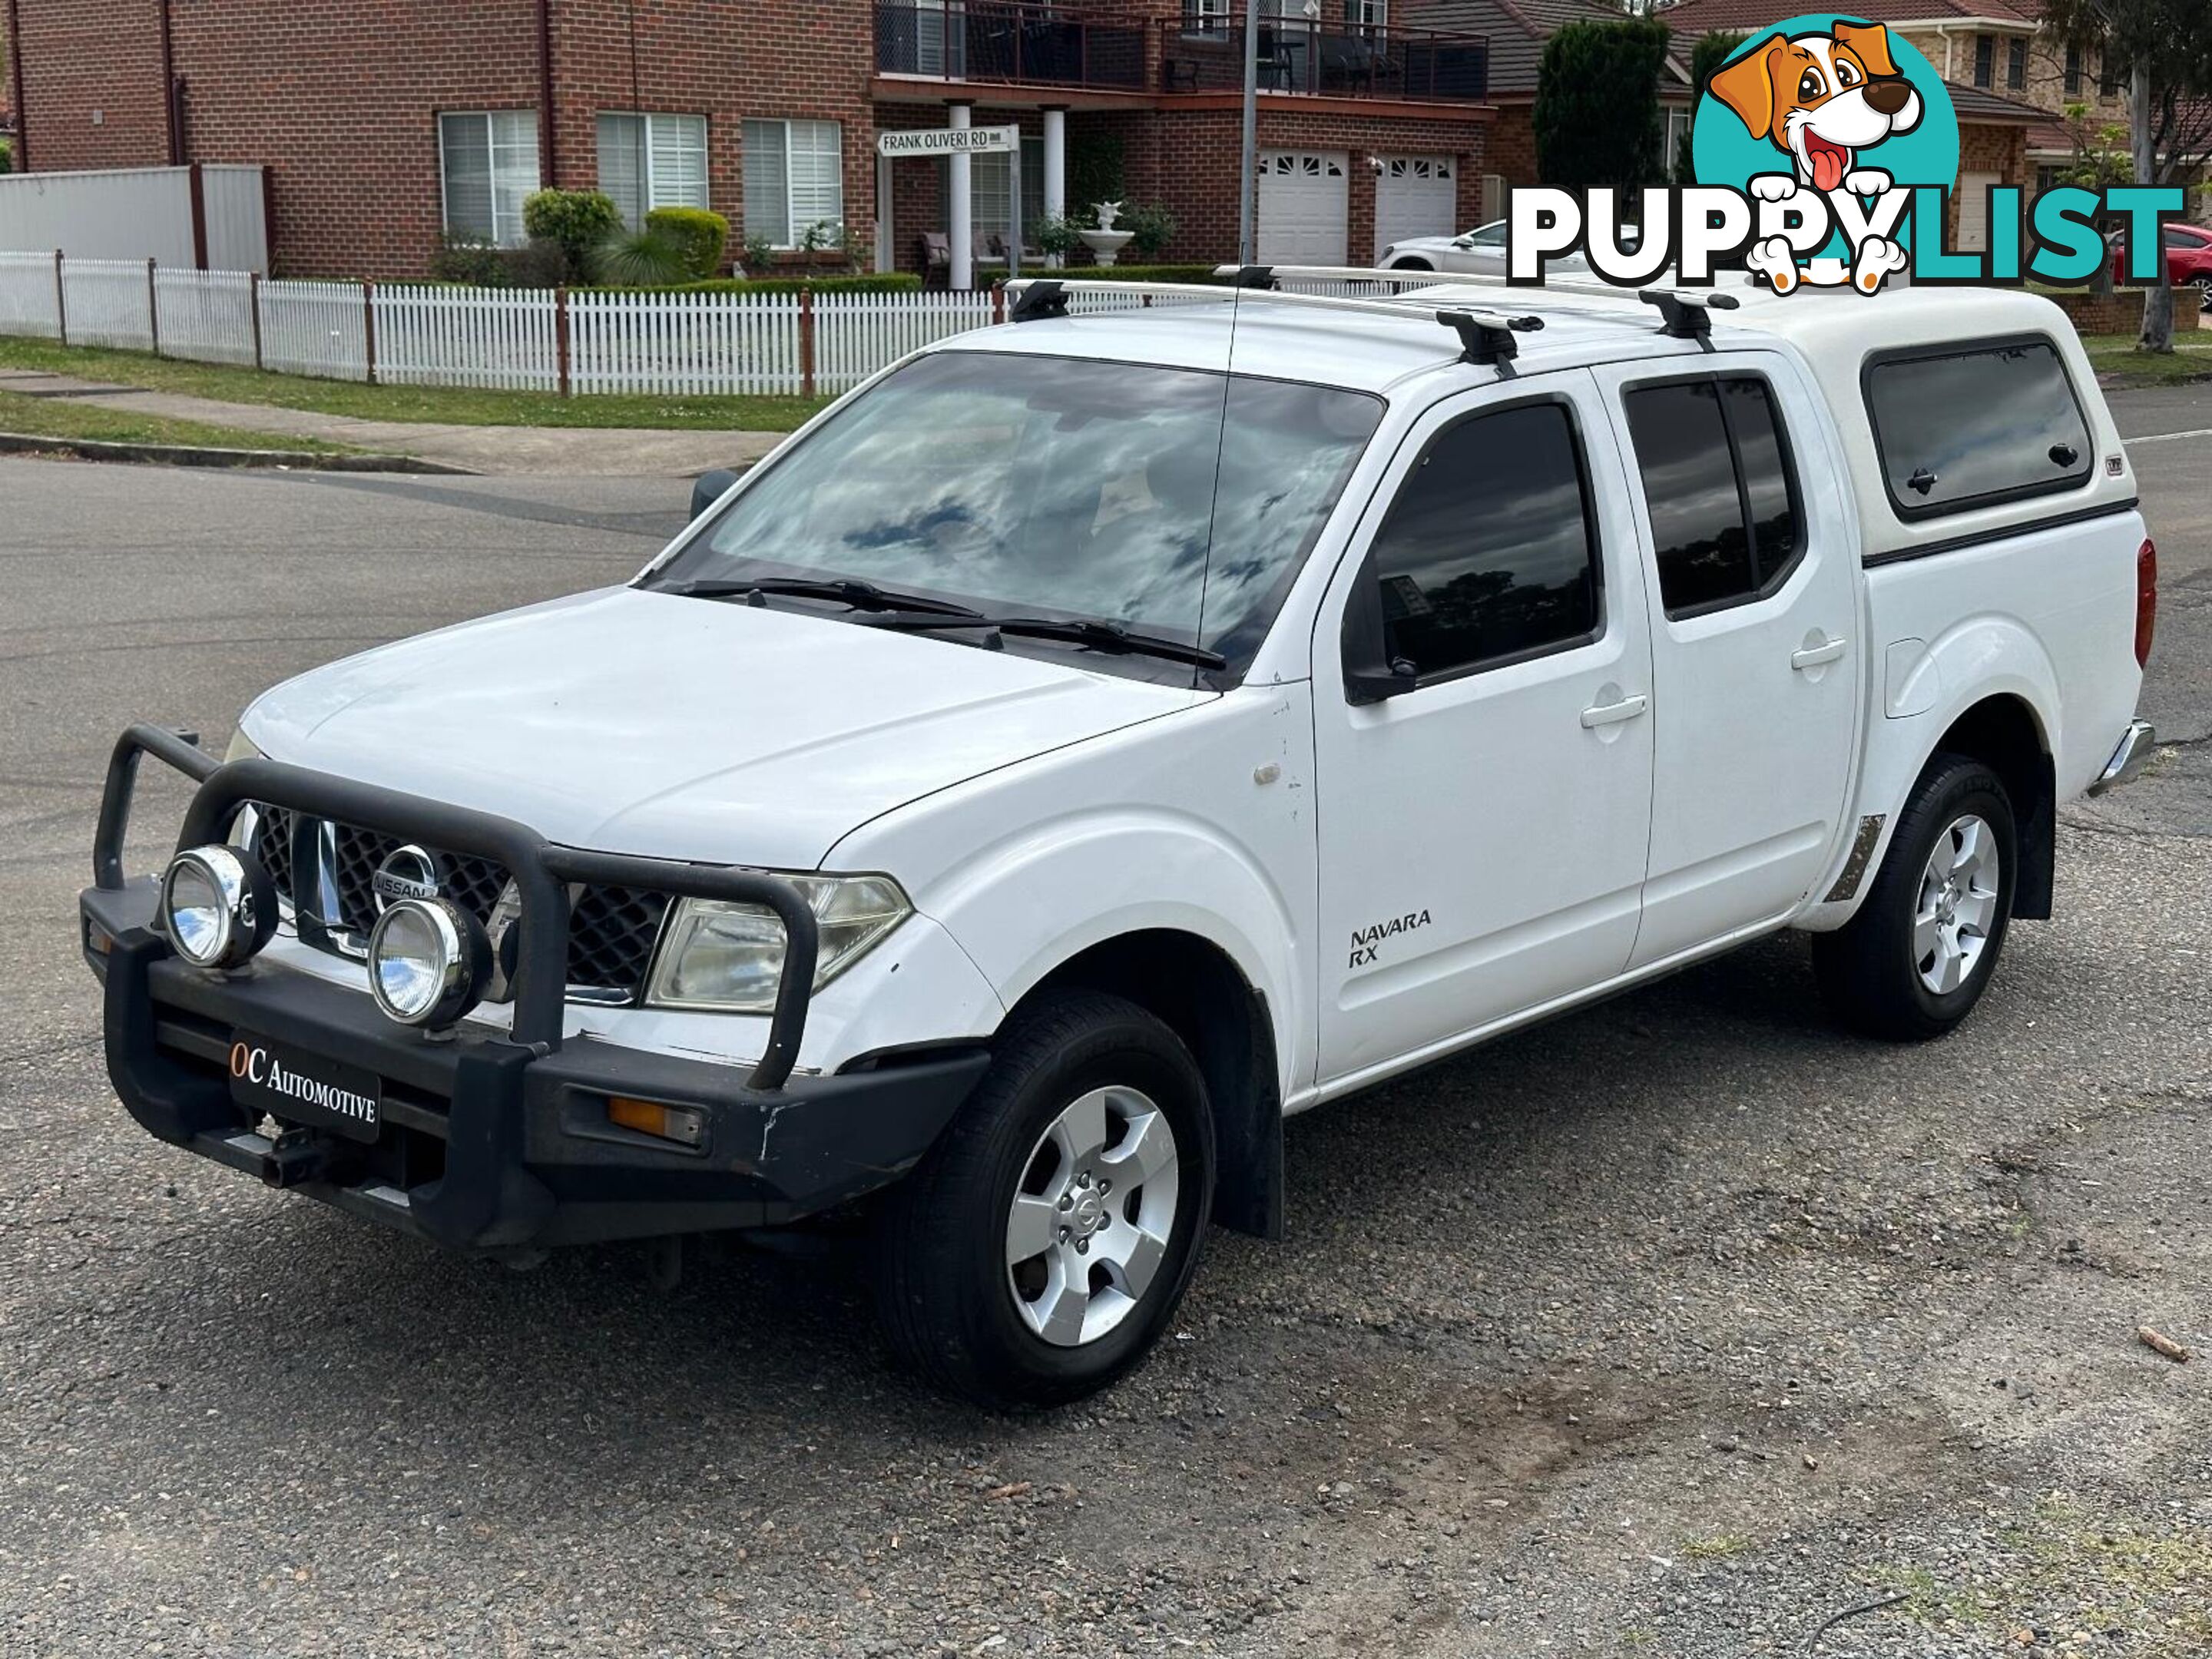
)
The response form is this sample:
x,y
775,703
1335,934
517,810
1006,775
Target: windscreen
x,y
1170,501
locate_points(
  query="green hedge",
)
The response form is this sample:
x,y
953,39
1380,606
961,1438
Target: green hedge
x,y
893,282
1131,274
700,236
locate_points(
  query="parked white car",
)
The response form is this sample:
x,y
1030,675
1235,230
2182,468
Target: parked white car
x,y
1480,252
1102,737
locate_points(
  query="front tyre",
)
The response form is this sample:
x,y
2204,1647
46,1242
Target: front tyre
x,y
1038,1251
1916,958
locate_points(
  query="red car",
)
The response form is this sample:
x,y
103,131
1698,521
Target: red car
x,y
2188,255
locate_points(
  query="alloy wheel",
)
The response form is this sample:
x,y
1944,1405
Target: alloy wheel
x,y
1957,905
1093,1215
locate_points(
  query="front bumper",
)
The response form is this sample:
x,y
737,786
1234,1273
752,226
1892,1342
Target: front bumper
x,y
2134,753
487,1141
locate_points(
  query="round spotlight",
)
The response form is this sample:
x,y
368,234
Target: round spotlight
x,y
429,961
219,906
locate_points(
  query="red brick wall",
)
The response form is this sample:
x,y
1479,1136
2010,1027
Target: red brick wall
x,y
92,83
340,98
1510,146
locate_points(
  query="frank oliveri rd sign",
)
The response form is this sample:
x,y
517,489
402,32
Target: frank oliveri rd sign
x,y
950,141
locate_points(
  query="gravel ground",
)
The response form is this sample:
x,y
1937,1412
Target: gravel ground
x,y
1678,1326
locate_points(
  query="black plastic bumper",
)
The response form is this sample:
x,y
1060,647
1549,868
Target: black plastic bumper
x,y
487,1142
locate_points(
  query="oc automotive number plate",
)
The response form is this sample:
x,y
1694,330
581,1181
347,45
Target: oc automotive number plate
x,y
302,1088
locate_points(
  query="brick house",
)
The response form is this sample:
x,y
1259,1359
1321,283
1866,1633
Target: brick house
x,y
386,124
1516,31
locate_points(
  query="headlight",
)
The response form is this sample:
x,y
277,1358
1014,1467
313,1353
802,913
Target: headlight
x,y
728,957
242,748
218,905
428,961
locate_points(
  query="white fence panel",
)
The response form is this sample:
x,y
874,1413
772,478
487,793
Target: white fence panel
x,y
503,338
684,344
315,328
110,302
855,335
235,203
121,212
27,296
206,314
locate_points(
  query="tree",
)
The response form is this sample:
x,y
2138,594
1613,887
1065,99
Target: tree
x,y
1711,52
1597,118
2165,48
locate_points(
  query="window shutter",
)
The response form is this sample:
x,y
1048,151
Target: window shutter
x,y
679,160
514,168
818,174
621,173
464,147
767,198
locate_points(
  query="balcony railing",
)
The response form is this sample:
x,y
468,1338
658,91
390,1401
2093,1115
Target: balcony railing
x,y
1343,60
1032,43
1011,42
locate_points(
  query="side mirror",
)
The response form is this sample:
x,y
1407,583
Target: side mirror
x,y
708,488
1366,685
1370,674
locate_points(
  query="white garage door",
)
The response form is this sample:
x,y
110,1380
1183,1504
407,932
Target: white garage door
x,y
1415,195
1974,210
1306,205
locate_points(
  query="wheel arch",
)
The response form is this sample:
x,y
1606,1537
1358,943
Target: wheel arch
x,y
1197,989
2006,734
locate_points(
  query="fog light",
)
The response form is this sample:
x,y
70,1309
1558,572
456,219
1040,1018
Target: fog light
x,y
683,1124
428,961
218,906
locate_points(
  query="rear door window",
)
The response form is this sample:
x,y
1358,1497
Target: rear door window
x,y
1976,425
1717,483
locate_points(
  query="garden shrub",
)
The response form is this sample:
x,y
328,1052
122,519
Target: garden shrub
x,y
577,223
702,236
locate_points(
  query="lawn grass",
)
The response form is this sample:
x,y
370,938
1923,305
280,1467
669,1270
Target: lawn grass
x,y
68,417
454,406
2115,354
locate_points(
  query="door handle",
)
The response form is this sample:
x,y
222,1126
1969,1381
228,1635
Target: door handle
x,y
1817,656
1610,714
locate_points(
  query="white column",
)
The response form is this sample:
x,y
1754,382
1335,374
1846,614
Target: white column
x,y
886,235
960,210
1055,168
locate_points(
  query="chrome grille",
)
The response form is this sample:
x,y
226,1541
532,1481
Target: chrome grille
x,y
611,930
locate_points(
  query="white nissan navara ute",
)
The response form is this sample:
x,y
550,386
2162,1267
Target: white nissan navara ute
x,y
1100,737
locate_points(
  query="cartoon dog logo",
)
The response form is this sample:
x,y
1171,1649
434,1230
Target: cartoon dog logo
x,y
1823,99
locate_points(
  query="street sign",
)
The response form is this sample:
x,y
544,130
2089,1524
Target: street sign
x,y
950,141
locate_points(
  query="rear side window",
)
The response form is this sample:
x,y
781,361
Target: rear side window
x,y
1726,526
1976,426
1489,553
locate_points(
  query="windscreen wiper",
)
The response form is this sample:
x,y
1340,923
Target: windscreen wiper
x,y
860,595
1097,635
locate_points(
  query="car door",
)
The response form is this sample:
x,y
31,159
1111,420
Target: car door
x,y
1483,743
1480,250
1753,597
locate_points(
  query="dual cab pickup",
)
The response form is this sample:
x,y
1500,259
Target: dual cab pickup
x,y
1100,737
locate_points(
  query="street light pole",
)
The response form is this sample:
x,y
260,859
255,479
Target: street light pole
x,y
1244,246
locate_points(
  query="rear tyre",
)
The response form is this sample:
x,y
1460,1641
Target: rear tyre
x,y
1916,958
1038,1251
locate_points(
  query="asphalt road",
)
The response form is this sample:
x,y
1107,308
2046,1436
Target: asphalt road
x,y
1676,1326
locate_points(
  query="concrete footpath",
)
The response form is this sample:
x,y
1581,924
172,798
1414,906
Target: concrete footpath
x,y
599,451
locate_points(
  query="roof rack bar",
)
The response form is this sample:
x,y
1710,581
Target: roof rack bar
x,y
1486,336
1266,276
1688,313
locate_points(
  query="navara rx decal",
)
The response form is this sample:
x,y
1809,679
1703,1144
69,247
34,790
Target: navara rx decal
x,y
1367,942
1826,151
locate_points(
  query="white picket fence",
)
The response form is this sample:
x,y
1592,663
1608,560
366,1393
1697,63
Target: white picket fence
x,y
586,342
